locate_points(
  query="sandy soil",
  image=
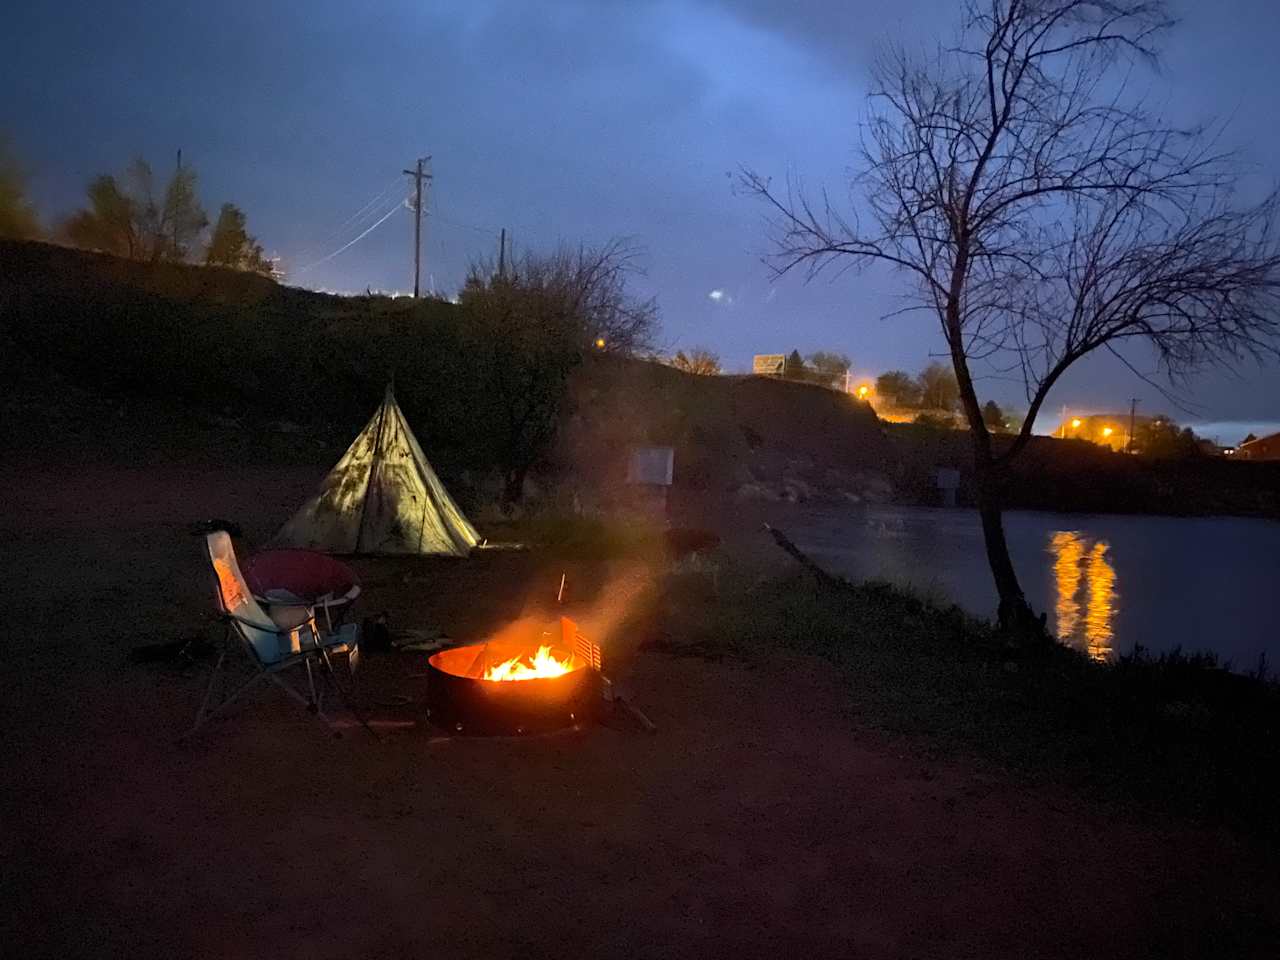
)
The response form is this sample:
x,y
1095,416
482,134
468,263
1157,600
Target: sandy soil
x,y
758,822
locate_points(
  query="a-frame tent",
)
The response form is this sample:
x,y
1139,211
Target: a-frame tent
x,y
381,498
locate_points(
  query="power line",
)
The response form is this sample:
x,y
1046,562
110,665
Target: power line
x,y
363,214
386,216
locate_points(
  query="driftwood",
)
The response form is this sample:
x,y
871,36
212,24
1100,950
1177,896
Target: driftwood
x,y
826,579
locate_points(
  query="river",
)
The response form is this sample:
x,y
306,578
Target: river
x,y
1108,582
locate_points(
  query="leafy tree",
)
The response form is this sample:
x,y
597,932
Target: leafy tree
x,y
699,360
899,388
938,388
125,216
231,245
109,224
828,368
1161,438
1042,217
17,217
181,218
794,368
994,417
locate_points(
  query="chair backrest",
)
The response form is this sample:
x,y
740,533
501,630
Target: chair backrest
x,y
233,597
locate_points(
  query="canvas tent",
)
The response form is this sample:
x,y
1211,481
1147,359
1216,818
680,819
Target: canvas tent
x,y
382,497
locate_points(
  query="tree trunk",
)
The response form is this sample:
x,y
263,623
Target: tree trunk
x,y
1014,614
513,488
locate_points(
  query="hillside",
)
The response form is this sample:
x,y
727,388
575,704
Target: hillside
x,y
747,438
110,358
122,352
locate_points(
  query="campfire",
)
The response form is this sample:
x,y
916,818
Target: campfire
x,y
530,676
544,663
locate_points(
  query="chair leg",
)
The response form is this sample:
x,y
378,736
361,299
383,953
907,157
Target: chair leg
x,y
314,704
208,693
349,701
204,717
275,678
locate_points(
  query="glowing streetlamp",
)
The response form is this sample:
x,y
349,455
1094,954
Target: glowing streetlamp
x,y
1107,431
863,391
1075,423
599,343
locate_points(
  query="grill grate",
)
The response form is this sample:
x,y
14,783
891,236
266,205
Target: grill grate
x,y
582,647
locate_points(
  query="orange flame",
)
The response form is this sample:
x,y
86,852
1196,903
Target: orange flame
x,y
542,664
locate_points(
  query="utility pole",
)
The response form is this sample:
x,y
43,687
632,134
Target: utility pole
x,y
1133,410
502,254
418,177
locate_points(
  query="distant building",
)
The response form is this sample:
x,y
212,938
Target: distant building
x,y
1264,448
769,364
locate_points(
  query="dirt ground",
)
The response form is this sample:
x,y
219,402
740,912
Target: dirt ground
x,y
757,822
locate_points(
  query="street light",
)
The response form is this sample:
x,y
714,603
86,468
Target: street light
x,y
1075,423
1107,431
863,391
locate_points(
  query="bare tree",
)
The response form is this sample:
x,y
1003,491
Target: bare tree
x,y
1043,213
593,281
532,324
699,360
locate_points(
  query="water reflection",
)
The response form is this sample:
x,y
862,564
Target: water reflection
x,y
1086,592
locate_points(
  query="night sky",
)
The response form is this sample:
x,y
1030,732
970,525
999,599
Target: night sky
x,y
564,121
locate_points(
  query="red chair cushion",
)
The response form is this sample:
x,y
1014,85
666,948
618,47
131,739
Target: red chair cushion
x,y
304,573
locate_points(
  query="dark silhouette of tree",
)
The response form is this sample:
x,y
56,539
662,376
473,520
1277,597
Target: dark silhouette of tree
x,y
938,388
698,360
594,280
128,218
1044,214
529,326
898,388
1161,438
795,367
828,368
994,417
230,244
1249,439
18,219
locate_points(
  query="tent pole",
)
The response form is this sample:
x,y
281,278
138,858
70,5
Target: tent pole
x,y
374,467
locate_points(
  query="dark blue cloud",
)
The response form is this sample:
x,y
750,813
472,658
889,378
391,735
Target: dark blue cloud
x,y
560,121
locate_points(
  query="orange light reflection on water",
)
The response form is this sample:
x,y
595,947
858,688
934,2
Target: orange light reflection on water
x,y
1084,577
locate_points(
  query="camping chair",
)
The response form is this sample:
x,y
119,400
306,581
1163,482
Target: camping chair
x,y
274,643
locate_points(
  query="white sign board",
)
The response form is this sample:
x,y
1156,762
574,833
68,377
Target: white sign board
x,y
769,364
653,466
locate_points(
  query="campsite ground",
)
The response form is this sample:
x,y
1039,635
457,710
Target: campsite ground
x,y
759,821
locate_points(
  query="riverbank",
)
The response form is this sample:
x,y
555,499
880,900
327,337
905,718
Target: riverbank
x,y
1075,476
777,811
1169,735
